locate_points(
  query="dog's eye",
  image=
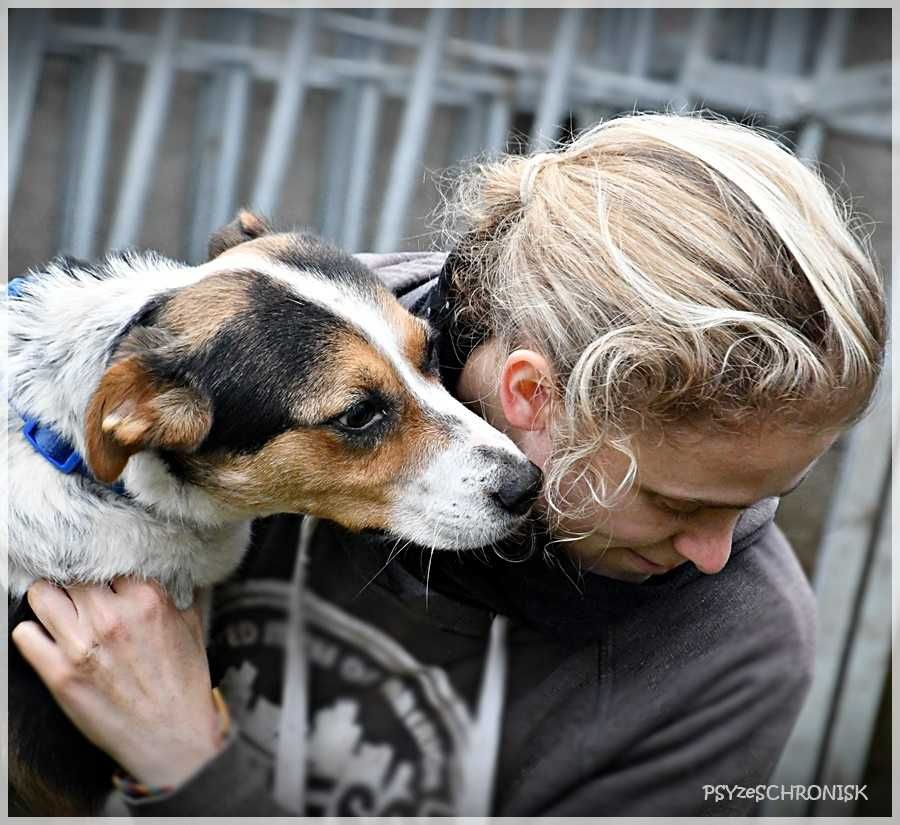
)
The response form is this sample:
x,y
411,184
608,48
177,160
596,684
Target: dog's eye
x,y
360,416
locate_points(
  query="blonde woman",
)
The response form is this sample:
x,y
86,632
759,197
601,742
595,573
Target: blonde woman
x,y
671,317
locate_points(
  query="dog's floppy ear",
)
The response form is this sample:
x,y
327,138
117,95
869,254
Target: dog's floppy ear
x,y
245,227
131,410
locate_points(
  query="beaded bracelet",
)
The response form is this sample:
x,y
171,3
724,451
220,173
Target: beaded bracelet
x,y
131,787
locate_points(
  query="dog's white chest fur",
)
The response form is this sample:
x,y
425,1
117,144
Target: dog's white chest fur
x,y
65,529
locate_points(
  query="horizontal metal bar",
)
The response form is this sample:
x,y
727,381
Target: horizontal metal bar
x,y
718,84
753,89
202,57
861,87
486,53
267,64
874,126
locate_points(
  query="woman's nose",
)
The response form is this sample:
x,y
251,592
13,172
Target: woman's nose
x,y
707,541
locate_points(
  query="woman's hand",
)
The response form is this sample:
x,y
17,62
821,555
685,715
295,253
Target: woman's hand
x,y
130,670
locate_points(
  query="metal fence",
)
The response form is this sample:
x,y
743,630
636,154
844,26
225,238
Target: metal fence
x,y
415,88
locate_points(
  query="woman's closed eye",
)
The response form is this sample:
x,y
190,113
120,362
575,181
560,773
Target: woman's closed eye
x,y
680,511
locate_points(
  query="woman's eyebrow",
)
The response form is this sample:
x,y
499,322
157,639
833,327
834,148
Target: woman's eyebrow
x,y
719,505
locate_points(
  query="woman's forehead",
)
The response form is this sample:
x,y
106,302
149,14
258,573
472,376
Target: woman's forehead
x,y
728,469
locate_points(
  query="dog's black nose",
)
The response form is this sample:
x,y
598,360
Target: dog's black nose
x,y
519,489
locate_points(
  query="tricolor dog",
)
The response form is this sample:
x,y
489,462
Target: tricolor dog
x,y
156,408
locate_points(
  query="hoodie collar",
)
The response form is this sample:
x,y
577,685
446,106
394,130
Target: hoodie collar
x,y
546,592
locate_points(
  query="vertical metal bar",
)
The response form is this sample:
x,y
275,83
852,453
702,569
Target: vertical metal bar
x,y
79,82
499,113
237,81
90,149
605,37
833,46
830,57
218,138
499,116
481,26
286,113
362,154
515,21
146,133
340,123
554,94
787,43
601,23
755,36
203,151
413,131
839,579
25,74
866,670
695,57
642,47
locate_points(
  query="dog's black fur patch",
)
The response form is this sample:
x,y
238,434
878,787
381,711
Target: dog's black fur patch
x,y
257,366
308,253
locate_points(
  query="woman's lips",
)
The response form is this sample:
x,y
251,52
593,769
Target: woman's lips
x,y
645,565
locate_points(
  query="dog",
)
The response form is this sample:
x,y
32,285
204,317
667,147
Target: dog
x,y
156,408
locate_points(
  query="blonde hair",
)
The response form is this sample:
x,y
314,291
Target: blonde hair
x,y
673,269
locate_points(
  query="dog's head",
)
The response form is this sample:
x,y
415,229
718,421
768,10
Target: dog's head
x,y
288,379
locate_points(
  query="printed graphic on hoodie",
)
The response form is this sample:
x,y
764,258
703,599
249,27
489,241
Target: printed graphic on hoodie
x,y
386,732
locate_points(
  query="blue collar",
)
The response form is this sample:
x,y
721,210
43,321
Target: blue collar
x,y
44,440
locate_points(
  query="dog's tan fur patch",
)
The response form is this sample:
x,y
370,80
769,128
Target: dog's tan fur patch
x,y
197,313
130,412
313,469
412,332
275,246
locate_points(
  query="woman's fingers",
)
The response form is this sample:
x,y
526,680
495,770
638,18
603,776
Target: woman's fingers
x,y
78,618
99,611
54,608
40,651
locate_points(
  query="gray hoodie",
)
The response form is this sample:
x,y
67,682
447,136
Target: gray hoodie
x,y
619,699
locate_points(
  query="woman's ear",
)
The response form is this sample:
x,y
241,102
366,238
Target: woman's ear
x,y
525,390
